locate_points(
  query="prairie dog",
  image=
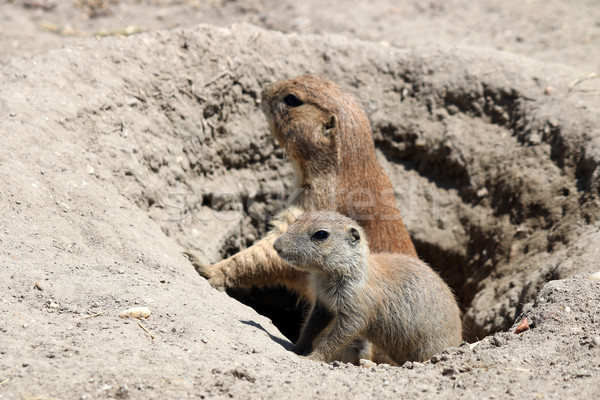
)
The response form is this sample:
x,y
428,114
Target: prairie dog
x,y
327,134
395,301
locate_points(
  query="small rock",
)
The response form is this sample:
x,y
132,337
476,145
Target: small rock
x,y
482,192
422,388
37,286
122,392
364,363
535,138
53,305
204,340
336,364
135,312
243,374
451,372
595,276
496,340
549,90
523,326
435,359
90,170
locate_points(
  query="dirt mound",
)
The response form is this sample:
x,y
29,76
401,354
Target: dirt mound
x,y
118,154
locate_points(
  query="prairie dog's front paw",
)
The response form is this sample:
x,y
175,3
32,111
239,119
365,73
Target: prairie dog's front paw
x,y
302,349
212,273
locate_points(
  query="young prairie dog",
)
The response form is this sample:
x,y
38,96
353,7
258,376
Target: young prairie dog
x,y
393,300
327,135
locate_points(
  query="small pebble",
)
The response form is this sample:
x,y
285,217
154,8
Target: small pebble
x,y
595,276
122,392
497,341
451,372
523,326
482,192
422,388
364,363
204,340
135,312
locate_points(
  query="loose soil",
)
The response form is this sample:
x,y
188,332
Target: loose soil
x,y
119,153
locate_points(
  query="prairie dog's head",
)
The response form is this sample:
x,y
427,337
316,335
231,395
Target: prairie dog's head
x,y
307,115
325,242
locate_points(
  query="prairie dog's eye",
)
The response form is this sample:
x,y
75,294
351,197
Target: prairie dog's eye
x,y
292,101
319,236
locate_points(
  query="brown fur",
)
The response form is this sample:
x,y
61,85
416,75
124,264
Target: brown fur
x,y
330,141
395,301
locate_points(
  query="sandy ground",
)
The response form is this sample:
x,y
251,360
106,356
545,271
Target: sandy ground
x,y
118,153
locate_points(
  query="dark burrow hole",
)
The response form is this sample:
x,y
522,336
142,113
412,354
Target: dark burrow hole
x,y
281,306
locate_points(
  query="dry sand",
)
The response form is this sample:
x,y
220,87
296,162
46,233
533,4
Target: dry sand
x,y
119,153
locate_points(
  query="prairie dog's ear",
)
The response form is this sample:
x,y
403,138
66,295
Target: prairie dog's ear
x,y
330,126
354,236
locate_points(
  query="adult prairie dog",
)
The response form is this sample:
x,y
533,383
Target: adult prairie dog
x,y
327,135
395,301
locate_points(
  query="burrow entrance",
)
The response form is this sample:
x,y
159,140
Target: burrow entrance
x,y
488,195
